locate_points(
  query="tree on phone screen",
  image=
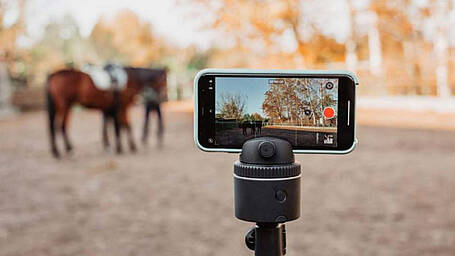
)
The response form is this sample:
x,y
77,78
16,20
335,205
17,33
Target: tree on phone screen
x,y
231,105
299,102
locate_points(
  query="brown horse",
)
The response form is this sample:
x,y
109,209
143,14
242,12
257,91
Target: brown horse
x,y
67,87
138,79
70,86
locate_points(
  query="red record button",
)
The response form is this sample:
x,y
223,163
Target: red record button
x,y
329,112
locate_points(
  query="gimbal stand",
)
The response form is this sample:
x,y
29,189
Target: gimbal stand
x,y
267,192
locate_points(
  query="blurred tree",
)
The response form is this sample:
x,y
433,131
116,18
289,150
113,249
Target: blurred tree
x,y
351,41
393,35
10,30
374,45
441,11
198,60
60,46
183,64
126,39
278,33
401,38
260,25
230,57
102,38
412,21
402,26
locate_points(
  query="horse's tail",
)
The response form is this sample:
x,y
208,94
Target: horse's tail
x,y
50,106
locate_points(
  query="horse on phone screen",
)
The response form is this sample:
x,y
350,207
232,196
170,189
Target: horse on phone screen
x,y
254,126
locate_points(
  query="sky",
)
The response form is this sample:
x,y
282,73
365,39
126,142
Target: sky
x,y
253,88
168,19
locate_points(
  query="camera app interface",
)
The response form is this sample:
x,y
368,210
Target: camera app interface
x,y
302,111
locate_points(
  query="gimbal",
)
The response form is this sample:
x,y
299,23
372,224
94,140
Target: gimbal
x,y
267,192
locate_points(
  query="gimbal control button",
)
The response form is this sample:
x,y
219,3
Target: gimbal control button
x,y
267,149
281,219
280,196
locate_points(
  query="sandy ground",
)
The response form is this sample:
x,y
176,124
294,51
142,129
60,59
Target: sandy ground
x,y
395,195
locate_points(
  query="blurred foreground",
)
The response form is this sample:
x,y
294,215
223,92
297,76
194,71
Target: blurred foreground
x,y
394,195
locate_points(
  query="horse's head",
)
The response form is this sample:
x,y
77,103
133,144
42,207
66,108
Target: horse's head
x,y
161,79
154,78
159,82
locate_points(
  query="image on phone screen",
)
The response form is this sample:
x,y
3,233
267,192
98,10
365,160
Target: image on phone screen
x,y
303,111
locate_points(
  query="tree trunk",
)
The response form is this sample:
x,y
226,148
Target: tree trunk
x,y
374,45
5,91
440,45
410,52
351,44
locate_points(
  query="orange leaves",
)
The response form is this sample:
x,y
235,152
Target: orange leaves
x,y
126,38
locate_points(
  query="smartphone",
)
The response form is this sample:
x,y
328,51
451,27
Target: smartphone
x,y
313,110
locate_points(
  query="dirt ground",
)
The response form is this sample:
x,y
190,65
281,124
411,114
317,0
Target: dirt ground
x,y
394,195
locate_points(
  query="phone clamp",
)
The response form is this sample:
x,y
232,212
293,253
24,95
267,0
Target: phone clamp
x,y
267,192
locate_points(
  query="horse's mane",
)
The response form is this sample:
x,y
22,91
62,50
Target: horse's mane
x,y
67,72
146,72
147,76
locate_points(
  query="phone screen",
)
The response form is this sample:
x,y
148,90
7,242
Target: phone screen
x,y
302,111
312,112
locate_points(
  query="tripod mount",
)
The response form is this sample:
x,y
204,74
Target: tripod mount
x,y
267,192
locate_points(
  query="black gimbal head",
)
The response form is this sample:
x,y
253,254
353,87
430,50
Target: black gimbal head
x,y
267,192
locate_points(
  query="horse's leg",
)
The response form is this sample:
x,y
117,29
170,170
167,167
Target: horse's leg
x,y
52,112
115,116
130,138
64,124
160,125
105,124
125,123
145,131
54,148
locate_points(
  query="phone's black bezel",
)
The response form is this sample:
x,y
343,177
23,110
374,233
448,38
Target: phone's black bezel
x,y
346,93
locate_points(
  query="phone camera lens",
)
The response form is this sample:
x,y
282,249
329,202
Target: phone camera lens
x,y
210,140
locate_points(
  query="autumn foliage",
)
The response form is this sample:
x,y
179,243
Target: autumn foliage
x,y
398,47
299,102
